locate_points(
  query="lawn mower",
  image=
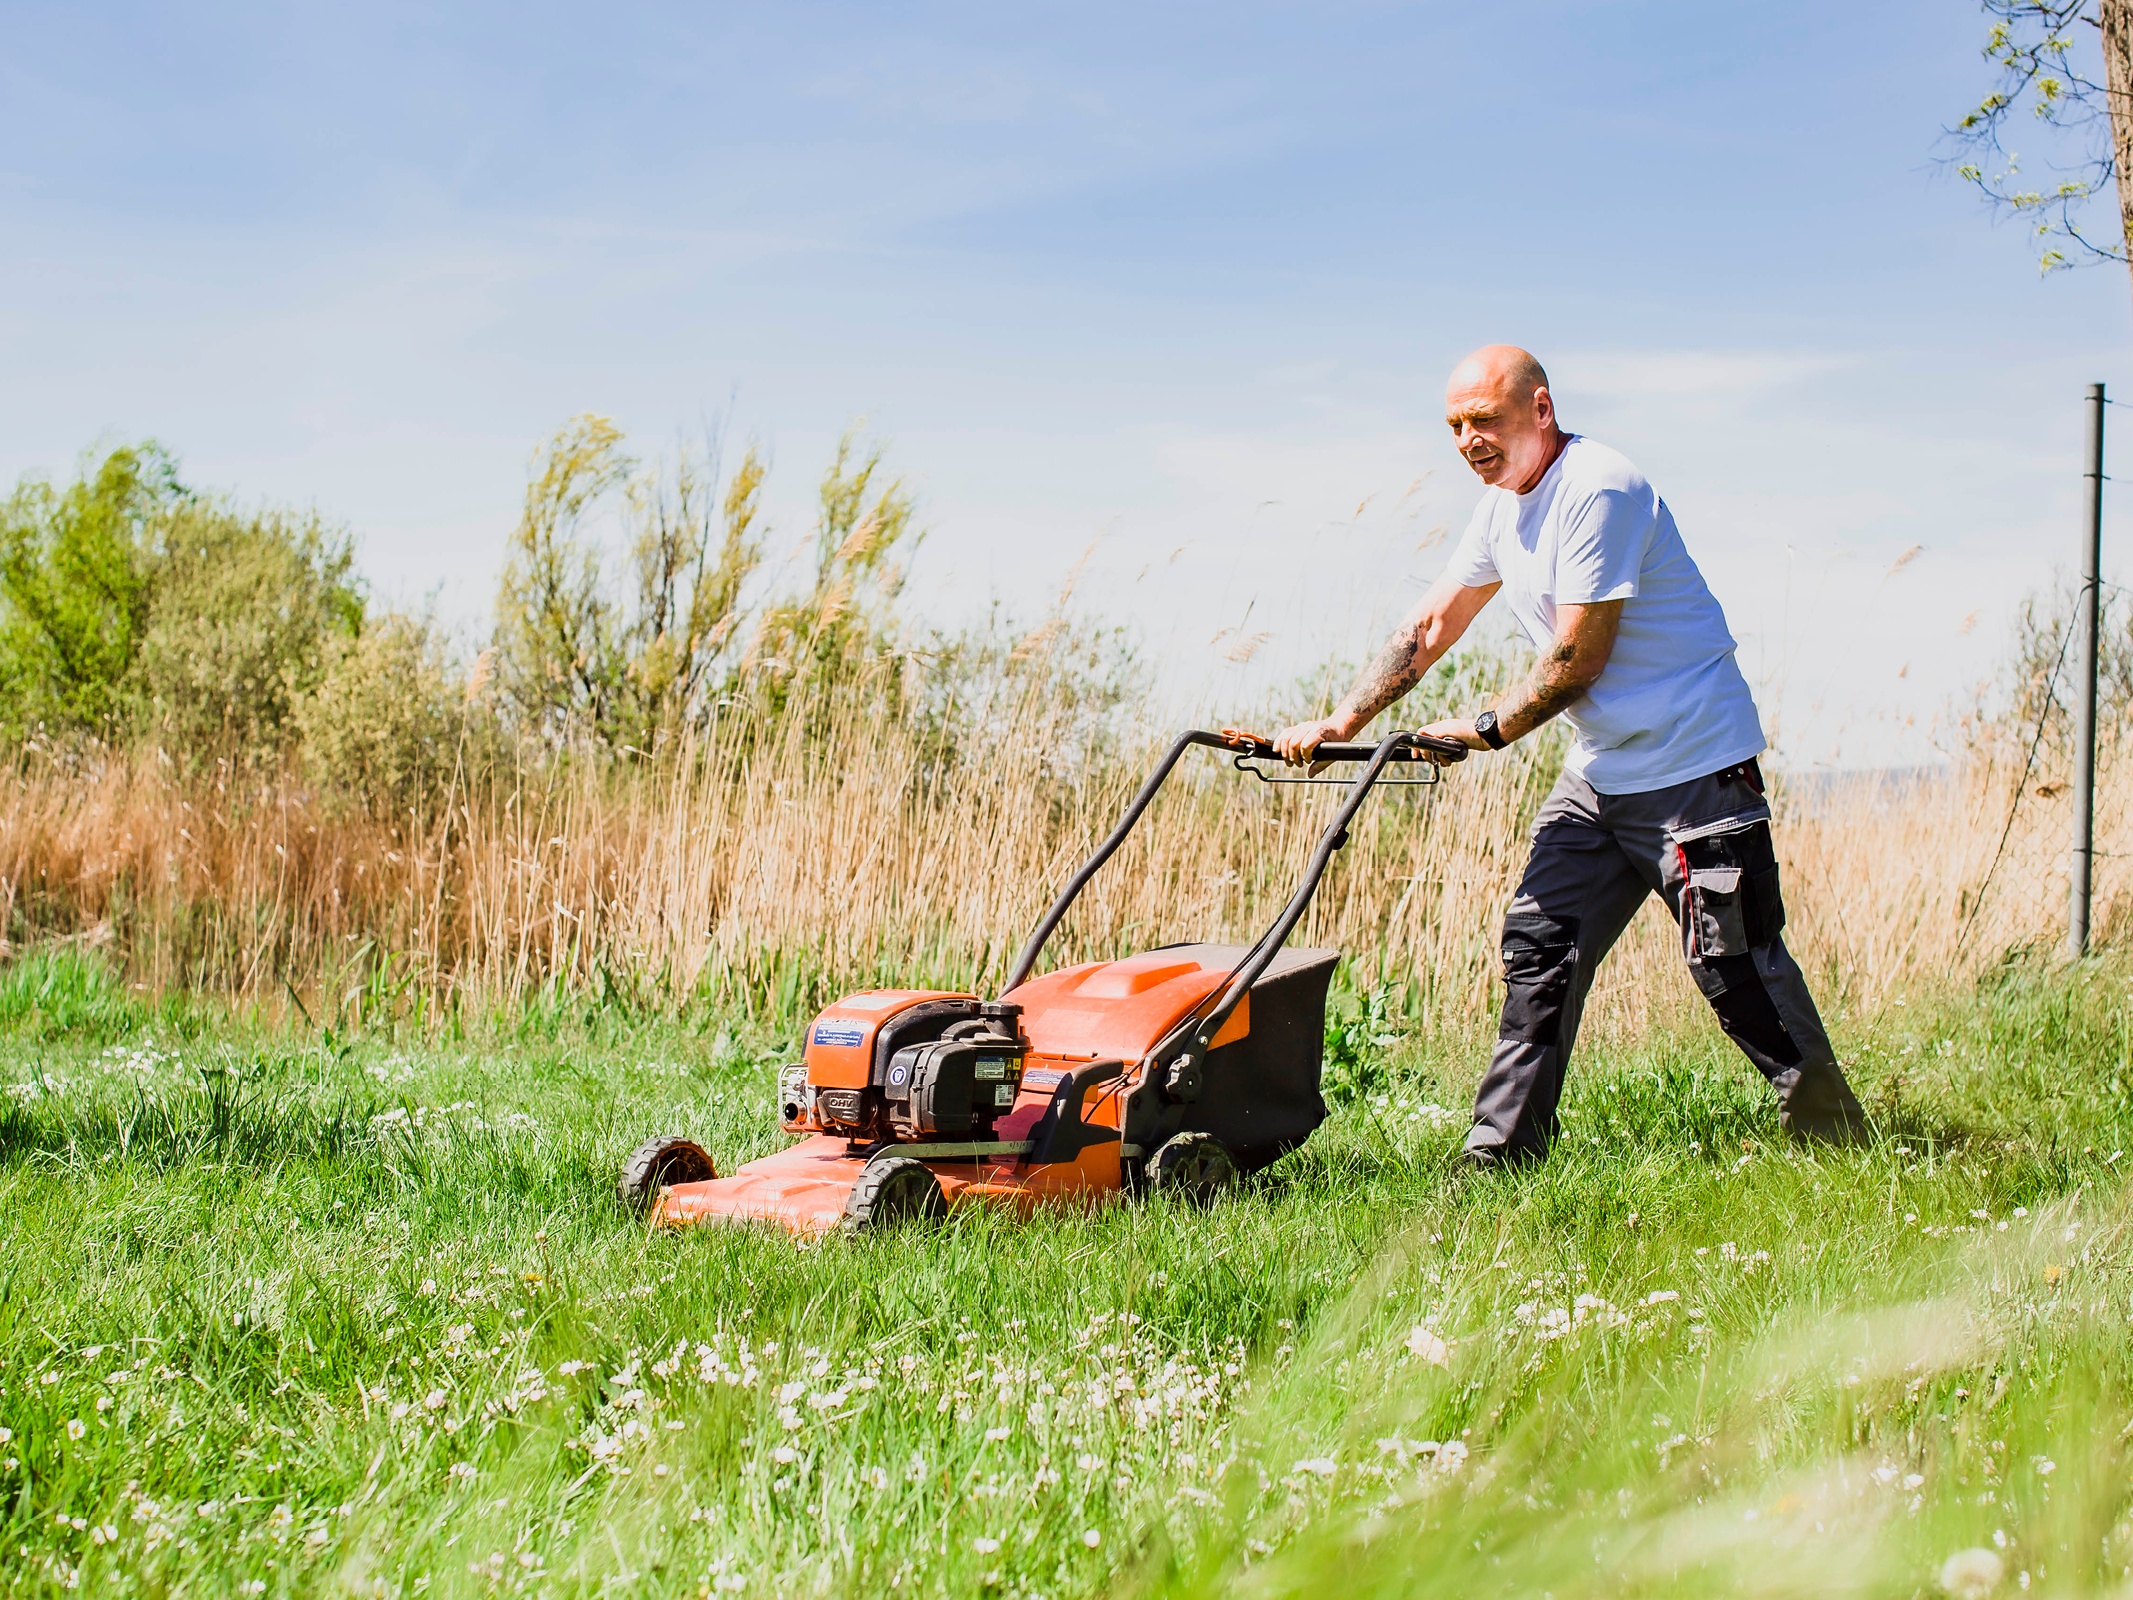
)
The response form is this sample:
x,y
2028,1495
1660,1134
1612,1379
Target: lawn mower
x,y
1173,1071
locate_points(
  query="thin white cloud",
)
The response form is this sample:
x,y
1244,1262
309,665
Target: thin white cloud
x,y
1619,377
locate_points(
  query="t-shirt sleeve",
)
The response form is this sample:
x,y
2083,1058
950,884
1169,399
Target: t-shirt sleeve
x,y
1601,552
1473,565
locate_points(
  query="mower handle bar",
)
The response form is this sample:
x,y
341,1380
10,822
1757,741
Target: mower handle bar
x,y
1395,746
1417,747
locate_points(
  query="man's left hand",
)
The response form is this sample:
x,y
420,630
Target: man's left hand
x,y
1460,728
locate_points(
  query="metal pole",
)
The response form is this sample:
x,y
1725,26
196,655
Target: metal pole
x,y
2088,618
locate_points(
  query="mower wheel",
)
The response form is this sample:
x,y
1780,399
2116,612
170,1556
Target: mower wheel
x,y
892,1190
1191,1166
658,1162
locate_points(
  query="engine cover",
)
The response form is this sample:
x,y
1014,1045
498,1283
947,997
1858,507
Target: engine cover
x,y
906,1064
953,1088
837,1089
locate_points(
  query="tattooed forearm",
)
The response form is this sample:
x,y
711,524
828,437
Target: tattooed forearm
x,y
1557,682
1397,669
1567,668
1555,685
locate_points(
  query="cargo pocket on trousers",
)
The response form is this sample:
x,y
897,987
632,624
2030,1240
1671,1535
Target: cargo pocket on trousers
x,y
1730,899
1540,957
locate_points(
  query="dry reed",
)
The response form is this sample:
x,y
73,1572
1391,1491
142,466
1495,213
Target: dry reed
x,y
766,869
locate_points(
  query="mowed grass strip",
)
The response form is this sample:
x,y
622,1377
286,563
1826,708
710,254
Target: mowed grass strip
x,y
290,1314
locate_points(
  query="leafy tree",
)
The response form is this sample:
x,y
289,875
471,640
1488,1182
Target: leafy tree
x,y
77,567
839,630
575,657
691,563
554,622
245,613
2069,65
132,607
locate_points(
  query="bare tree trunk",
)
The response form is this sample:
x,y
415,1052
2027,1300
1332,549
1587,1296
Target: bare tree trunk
x,y
2115,18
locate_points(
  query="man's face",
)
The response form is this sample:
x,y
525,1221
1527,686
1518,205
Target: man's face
x,y
1506,437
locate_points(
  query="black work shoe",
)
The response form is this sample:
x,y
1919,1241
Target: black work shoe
x,y
1494,1158
1839,1132
1818,1107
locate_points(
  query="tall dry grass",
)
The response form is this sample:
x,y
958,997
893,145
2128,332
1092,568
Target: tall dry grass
x,y
770,868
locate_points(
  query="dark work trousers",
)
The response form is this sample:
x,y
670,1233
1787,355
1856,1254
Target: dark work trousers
x,y
1705,847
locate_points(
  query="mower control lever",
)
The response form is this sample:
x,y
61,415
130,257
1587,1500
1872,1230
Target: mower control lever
x,y
1416,750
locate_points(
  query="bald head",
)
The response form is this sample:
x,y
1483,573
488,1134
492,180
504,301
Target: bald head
x,y
1504,367
1503,417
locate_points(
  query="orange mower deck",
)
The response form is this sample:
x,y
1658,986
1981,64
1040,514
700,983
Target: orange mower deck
x,y
809,1187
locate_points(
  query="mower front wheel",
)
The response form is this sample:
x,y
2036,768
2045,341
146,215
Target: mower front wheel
x,y
892,1190
658,1162
1191,1166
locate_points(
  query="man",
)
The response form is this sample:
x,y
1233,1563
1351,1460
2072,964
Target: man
x,y
1661,790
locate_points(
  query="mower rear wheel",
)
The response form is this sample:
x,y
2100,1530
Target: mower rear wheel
x,y
893,1190
658,1162
1191,1166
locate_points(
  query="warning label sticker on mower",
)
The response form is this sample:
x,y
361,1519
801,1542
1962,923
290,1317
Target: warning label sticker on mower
x,y
840,1033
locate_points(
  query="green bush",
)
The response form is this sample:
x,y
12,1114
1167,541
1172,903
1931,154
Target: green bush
x,y
387,723
245,614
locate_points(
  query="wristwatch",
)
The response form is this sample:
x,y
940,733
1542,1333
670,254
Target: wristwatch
x,y
1485,729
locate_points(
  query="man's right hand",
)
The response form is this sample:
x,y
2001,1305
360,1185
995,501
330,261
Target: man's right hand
x,y
1297,744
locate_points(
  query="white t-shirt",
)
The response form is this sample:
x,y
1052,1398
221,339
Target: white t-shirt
x,y
1670,704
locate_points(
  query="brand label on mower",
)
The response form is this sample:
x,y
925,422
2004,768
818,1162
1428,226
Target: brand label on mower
x,y
843,1034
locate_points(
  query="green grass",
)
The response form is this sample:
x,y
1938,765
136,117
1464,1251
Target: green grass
x,y
285,1313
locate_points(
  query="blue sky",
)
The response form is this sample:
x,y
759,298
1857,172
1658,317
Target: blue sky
x,y
1182,281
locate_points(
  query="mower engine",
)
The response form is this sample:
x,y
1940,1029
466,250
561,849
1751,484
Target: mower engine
x,y
908,1067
